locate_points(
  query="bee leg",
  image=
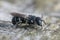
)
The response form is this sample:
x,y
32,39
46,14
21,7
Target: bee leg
x,y
17,25
26,26
44,22
31,26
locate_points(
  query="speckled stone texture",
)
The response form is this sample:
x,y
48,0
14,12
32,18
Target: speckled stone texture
x,y
50,9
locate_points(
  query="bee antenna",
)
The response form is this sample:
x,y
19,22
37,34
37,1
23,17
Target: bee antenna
x,y
41,15
42,19
44,22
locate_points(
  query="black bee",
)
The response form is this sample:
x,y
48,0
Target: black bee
x,y
30,19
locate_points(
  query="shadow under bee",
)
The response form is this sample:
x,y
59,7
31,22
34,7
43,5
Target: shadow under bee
x,y
27,27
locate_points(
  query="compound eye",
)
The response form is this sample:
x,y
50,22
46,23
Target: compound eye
x,y
38,21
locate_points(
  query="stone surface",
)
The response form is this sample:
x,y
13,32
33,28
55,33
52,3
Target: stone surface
x,y
49,31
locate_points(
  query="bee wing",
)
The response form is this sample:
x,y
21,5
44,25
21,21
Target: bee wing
x,y
18,14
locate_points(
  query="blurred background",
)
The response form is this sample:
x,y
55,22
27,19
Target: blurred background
x,y
45,7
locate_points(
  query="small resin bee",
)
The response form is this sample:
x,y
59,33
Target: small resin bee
x,y
23,19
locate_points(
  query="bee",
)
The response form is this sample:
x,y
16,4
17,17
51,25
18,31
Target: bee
x,y
19,18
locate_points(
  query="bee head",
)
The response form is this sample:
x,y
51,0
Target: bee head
x,y
38,21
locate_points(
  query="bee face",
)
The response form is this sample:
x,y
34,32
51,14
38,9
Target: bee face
x,y
38,21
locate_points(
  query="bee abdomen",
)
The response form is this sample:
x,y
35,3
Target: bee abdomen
x,y
15,20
